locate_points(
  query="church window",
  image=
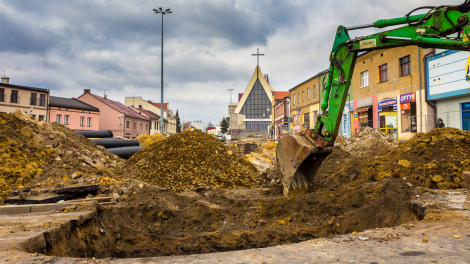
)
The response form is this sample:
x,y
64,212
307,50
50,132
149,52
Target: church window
x,y
257,106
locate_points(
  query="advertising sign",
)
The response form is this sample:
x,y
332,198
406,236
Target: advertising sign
x,y
405,106
297,127
387,102
408,97
365,102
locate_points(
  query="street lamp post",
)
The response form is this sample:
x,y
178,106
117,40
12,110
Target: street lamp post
x,y
230,109
158,11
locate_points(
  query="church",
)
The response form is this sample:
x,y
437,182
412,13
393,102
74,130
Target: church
x,y
253,113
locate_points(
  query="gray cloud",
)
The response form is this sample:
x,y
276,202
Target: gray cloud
x,y
68,46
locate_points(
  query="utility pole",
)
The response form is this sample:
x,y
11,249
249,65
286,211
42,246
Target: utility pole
x,y
161,106
230,109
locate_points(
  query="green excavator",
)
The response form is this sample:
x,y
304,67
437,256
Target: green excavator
x,y
300,156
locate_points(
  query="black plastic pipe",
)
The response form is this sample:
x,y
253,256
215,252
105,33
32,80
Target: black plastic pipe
x,y
96,133
115,142
126,152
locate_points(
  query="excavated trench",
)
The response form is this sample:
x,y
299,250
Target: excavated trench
x,y
163,223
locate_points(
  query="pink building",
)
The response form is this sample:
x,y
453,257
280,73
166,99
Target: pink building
x,y
118,118
74,113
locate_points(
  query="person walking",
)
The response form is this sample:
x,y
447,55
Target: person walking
x,y
439,123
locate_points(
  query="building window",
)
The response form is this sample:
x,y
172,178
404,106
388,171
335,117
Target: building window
x,y
303,97
405,66
34,116
146,126
57,119
308,93
89,121
294,99
298,96
14,97
42,100
34,98
383,73
41,118
66,119
128,124
364,79
82,121
135,125
140,126
2,95
314,91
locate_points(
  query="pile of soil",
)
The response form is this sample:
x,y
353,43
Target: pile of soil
x,y
435,159
368,142
44,155
189,160
145,139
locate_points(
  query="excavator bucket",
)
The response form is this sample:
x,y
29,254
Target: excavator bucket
x,y
299,157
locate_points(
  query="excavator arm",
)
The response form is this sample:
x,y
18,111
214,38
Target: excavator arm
x,y
300,156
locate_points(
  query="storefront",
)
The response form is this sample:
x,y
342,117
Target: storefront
x,y
408,112
346,120
388,117
364,112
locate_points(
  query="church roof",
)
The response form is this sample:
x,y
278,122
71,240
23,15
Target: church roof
x,y
266,86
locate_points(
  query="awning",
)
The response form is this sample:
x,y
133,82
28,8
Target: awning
x,y
363,109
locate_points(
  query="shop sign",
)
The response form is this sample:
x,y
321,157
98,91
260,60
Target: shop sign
x,y
297,127
380,109
395,107
405,106
408,97
355,115
365,102
388,102
286,123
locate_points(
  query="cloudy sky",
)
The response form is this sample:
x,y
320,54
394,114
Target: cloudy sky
x,y
68,46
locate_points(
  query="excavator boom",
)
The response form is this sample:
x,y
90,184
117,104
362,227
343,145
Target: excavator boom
x,y
300,156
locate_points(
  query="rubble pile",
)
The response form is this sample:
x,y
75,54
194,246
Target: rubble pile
x,y
368,142
189,160
265,157
435,159
47,155
145,139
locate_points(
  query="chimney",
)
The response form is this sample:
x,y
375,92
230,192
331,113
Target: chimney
x,y
5,80
105,96
86,91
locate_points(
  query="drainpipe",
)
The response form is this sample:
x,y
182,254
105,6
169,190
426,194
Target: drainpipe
x,y
421,100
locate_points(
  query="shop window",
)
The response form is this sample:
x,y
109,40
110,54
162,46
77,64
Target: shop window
x,y
408,117
383,75
307,118
405,66
364,79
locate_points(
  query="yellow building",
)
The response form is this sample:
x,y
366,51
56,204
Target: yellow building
x,y
389,91
29,100
305,99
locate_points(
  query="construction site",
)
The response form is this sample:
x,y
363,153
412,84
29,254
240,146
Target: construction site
x,y
68,200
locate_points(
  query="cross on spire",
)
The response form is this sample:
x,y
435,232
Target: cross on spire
x,y
257,55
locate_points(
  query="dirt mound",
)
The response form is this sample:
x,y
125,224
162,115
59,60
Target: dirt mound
x,y
145,139
188,160
368,142
44,155
435,159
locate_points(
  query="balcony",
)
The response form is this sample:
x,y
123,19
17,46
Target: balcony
x,y
14,98
2,97
42,101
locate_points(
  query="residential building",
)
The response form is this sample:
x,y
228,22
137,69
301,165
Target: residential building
x,y
116,117
389,91
29,100
169,118
74,114
154,119
305,99
447,88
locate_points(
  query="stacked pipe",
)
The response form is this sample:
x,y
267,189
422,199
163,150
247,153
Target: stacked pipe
x,y
121,147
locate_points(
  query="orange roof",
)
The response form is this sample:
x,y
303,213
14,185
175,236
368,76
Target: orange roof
x,y
280,95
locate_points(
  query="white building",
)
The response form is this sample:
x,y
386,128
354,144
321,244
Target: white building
x,y
448,85
198,125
